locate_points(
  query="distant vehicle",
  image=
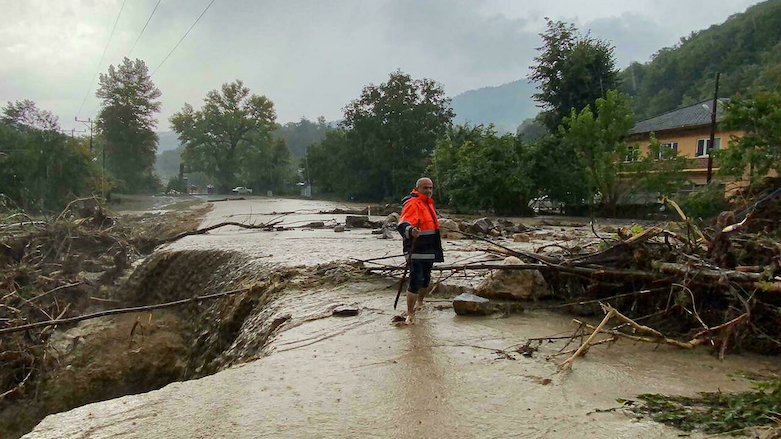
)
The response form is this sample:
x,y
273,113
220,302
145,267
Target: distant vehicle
x,y
241,190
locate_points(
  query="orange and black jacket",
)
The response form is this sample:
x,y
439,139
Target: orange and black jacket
x,y
418,211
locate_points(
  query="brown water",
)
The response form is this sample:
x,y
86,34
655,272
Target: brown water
x,y
360,377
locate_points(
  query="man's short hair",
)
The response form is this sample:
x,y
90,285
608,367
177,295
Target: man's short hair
x,y
417,183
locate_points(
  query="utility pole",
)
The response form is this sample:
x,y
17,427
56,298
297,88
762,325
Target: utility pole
x,y
85,122
103,175
713,129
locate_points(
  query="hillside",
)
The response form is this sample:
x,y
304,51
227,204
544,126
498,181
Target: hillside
x,y
506,106
168,141
745,49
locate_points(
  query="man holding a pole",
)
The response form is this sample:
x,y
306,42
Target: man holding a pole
x,y
419,227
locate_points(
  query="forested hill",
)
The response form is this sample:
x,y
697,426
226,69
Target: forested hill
x,y
745,49
506,106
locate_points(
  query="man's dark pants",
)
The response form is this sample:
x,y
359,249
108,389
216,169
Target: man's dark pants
x,y
420,275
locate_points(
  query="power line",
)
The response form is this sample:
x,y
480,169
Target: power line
x,y
145,25
101,57
182,39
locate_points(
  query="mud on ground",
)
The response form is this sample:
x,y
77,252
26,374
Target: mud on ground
x,y
66,266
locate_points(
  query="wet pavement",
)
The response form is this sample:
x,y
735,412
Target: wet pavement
x,y
358,377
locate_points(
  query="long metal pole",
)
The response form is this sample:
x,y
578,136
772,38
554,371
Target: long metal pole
x,y
713,129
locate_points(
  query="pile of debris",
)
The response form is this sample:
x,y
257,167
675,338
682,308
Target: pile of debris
x,y
61,267
457,228
672,284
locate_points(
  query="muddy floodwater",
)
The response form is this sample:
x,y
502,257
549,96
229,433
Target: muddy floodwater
x,y
360,376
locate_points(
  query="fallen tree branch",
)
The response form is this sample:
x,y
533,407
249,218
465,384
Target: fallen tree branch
x,y
707,273
112,312
216,226
568,362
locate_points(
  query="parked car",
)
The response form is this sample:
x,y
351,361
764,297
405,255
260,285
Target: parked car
x,y
241,190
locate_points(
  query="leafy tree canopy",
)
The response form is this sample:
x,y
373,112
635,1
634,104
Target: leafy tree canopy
x,y
126,123
40,168
758,151
476,169
572,71
229,138
385,140
613,169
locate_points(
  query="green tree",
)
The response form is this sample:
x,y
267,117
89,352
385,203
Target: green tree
x,y
484,171
613,169
231,130
40,168
758,151
572,71
126,123
299,135
746,49
391,131
325,161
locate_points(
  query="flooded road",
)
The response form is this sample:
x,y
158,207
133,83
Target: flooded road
x,y
358,377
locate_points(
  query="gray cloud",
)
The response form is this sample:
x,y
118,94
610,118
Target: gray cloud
x,y
311,57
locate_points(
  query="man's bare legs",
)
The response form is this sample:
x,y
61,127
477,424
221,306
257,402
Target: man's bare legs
x,y
412,300
421,295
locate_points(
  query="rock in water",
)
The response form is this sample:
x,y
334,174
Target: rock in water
x,y
449,229
392,218
339,228
521,237
480,226
357,222
513,284
345,311
469,304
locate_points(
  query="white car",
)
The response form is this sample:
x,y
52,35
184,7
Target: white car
x,y
241,190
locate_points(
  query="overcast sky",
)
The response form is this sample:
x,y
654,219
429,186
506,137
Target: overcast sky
x,y
310,57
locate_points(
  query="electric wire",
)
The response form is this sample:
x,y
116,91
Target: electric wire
x,y
145,25
182,39
97,69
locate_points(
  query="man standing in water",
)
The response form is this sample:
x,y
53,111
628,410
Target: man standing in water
x,y
419,227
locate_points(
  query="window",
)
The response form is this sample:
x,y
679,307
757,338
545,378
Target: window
x,y
703,146
668,150
632,153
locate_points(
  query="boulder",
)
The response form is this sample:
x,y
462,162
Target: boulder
x,y
357,222
505,223
469,304
513,284
449,229
495,233
315,225
520,228
339,228
480,226
521,237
